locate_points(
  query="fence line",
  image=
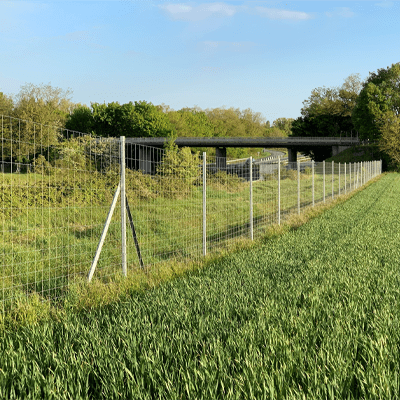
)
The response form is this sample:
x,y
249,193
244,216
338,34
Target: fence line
x,y
57,187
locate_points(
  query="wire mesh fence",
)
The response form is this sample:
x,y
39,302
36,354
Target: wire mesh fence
x,y
73,204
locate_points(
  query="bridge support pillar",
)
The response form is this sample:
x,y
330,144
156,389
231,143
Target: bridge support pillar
x,y
220,157
292,154
335,150
142,158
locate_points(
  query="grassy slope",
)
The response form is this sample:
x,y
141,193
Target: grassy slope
x,y
315,312
357,154
50,228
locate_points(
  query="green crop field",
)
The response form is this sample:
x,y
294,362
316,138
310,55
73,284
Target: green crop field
x,y
313,314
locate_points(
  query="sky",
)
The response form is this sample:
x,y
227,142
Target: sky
x,y
263,55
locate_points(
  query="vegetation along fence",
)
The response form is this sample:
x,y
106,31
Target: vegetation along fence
x,y
74,205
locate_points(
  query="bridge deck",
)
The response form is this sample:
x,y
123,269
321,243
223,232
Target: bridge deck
x,y
247,142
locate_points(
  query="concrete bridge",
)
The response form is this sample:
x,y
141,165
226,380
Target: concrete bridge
x,y
293,144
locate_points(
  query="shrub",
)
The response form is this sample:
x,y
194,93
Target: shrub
x,y
41,165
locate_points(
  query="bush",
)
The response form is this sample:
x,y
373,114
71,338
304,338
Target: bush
x,y
228,182
178,170
41,165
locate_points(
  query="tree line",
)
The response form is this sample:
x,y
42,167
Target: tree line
x,y
366,109
53,108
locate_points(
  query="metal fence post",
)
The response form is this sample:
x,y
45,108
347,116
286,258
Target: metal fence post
x,y
123,205
204,203
333,174
298,187
362,177
339,180
345,179
279,190
313,183
251,198
323,174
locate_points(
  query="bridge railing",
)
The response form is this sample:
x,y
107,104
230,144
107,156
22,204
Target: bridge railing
x,y
198,142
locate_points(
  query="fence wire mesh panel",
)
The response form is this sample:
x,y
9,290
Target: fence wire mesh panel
x,y
58,189
228,201
165,194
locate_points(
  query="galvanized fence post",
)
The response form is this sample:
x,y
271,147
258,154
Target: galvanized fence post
x,y
362,177
323,174
339,179
298,187
345,179
333,174
251,198
279,190
350,177
204,203
123,205
313,183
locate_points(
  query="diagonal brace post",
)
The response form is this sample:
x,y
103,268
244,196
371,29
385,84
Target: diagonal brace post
x,y
104,233
134,233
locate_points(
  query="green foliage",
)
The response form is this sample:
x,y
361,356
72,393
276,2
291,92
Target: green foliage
x,y
72,154
236,123
41,165
148,121
191,123
179,164
42,111
6,105
230,183
139,119
378,102
327,112
285,125
80,120
113,119
389,142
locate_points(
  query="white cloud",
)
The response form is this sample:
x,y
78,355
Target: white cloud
x,y
274,13
344,12
186,12
385,4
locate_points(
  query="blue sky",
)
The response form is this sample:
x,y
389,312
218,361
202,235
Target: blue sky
x,y
263,55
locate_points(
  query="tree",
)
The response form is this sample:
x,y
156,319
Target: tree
x,y
191,123
389,141
226,122
140,119
149,121
42,111
327,112
81,119
285,125
43,104
378,101
113,119
253,122
6,105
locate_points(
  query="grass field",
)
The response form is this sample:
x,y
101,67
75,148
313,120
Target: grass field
x,y
312,314
50,226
